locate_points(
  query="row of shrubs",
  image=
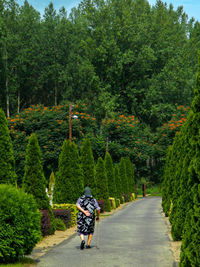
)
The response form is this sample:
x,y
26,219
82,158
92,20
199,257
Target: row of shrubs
x,y
67,213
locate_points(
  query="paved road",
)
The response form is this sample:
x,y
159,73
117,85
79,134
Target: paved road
x,y
135,236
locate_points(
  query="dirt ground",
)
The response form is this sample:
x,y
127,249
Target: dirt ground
x,y
175,246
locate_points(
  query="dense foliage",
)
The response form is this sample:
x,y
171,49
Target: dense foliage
x,y
181,184
7,162
109,169
69,183
20,223
34,181
130,63
87,165
102,192
121,56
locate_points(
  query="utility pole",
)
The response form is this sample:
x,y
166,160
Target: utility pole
x,y
70,122
106,144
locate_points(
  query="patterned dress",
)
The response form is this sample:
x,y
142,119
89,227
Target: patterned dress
x,y
85,224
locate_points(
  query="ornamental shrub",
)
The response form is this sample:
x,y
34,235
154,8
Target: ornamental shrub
x,y
102,184
69,178
34,181
45,222
124,179
19,223
64,215
118,183
87,164
60,225
73,211
130,175
7,162
110,175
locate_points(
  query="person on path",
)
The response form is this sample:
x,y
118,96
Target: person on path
x,y
86,216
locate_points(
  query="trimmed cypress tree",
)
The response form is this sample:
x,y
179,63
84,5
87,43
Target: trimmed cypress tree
x,y
118,183
62,190
102,184
180,192
69,179
34,181
7,162
77,173
123,177
110,175
87,164
190,248
130,175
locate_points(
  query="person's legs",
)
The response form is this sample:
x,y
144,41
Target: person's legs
x,y
82,242
89,240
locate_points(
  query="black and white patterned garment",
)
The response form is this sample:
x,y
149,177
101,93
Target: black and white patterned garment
x,y
85,224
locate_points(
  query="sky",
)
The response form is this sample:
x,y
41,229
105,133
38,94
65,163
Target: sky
x,y
191,7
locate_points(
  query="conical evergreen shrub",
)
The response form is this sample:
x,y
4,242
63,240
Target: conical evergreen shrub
x,y
118,183
69,178
34,181
123,178
130,175
7,162
102,184
110,175
77,173
185,167
88,165
190,249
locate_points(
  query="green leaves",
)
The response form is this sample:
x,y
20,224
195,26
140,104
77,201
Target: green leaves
x,y
7,163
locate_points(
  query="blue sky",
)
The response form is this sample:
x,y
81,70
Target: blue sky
x,y
191,7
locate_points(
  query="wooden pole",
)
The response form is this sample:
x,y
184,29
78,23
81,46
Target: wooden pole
x,y
70,123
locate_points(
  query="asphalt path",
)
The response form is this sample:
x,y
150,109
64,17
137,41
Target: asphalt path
x,y
135,236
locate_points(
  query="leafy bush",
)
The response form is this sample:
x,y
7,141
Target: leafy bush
x,y
45,222
64,215
102,184
7,163
69,182
73,211
112,202
20,223
60,225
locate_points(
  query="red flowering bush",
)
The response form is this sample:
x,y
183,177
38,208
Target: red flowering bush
x,y
51,125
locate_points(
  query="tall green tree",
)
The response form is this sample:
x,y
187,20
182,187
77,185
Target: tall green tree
x,y
34,181
88,165
130,175
123,178
102,184
110,175
190,245
69,182
7,163
118,183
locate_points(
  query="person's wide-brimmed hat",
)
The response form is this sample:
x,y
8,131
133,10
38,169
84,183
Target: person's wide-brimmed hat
x,y
87,192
